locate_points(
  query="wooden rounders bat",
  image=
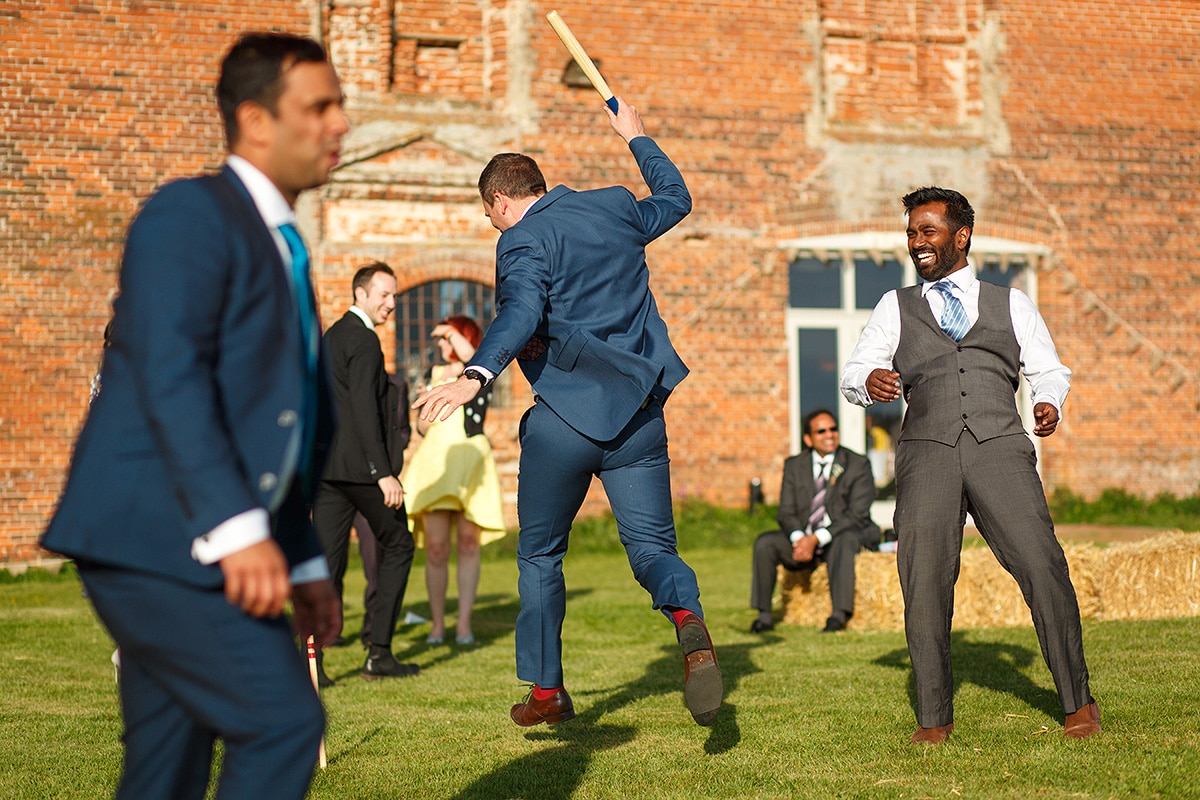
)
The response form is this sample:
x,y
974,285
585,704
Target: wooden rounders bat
x,y
581,58
312,671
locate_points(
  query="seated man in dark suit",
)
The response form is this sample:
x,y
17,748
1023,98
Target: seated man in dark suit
x,y
824,515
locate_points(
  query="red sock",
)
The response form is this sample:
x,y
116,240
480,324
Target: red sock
x,y
678,615
541,694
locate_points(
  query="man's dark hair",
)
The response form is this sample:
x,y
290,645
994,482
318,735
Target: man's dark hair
x,y
512,175
806,424
959,213
253,70
363,277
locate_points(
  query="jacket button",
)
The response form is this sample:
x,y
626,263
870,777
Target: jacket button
x,y
964,416
287,418
964,394
961,370
267,482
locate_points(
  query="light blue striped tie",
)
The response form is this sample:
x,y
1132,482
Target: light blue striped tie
x,y
306,302
954,317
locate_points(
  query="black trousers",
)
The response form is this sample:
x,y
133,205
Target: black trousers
x,y
334,509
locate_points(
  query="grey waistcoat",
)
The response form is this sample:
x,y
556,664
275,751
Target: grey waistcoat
x,y
950,386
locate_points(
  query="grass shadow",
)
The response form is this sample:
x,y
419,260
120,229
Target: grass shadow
x,y
995,666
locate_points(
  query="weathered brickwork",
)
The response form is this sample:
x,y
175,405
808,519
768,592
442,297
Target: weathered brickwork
x,y
1070,125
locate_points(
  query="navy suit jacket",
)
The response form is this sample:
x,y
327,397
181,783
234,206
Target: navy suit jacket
x,y
573,271
199,416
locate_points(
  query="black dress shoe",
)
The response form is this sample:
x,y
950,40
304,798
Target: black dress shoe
x,y
758,626
834,624
323,680
554,709
703,689
340,641
381,664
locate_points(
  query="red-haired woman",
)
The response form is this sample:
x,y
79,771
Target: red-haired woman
x,y
450,485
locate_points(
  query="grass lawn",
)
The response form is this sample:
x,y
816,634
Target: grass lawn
x,y
806,714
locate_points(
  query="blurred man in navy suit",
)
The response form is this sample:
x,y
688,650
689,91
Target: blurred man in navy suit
x,y
187,504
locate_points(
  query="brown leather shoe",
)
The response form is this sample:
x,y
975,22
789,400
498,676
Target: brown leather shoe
x,y
554,709
1083,722
703,688
932,735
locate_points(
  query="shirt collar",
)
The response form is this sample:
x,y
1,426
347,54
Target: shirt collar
x,y
269,201
358,312
962,278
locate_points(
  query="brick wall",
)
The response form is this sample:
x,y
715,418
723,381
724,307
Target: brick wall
x,y
1070,125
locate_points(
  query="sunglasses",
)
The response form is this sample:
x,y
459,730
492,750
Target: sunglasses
x,y
832,429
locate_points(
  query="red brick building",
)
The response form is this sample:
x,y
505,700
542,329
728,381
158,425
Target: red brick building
x,y
1071,126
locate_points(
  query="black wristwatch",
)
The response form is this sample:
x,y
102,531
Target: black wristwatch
x,y
476,375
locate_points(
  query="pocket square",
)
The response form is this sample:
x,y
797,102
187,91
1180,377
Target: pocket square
x,y
534,348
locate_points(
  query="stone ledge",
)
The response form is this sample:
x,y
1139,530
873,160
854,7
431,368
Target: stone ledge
x,y
51,565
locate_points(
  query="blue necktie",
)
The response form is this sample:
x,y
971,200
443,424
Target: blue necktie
x,y
306,302
954,317
304,294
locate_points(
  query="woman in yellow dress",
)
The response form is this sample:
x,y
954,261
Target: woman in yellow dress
x,y
450,485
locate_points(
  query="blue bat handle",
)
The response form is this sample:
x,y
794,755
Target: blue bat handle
x,y
612,104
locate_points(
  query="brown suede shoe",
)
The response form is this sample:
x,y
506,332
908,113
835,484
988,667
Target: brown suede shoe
x,y
1083,722
932,735
703,689
554,709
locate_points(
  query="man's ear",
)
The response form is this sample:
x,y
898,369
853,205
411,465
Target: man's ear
x,y
252,119
962,238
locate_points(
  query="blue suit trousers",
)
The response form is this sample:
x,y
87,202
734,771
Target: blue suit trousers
x,y
195,669
557,465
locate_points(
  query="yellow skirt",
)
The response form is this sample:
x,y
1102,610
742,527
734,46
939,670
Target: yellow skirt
x,y
453,472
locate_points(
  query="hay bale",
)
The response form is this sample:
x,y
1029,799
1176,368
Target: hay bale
x,y
877,601
1157,578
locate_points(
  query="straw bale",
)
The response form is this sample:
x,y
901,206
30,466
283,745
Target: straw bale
x,y
1156,578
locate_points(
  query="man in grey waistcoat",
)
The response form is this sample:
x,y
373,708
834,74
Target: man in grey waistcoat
x,y
954,347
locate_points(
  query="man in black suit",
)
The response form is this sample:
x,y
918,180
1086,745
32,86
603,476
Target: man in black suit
x,y
361,476
186,507
399,435
824,515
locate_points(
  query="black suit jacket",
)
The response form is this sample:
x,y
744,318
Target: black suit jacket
x,y
360,452
847,501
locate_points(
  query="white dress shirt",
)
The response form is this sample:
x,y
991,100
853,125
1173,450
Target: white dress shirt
x,y
253,526
1049,379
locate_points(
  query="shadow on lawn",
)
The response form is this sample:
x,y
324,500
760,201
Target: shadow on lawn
x,y
494,617
555,773
990,665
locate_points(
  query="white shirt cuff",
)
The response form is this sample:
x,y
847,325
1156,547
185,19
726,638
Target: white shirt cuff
x,y
315,569
234,534
242,531
796,536
824,537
